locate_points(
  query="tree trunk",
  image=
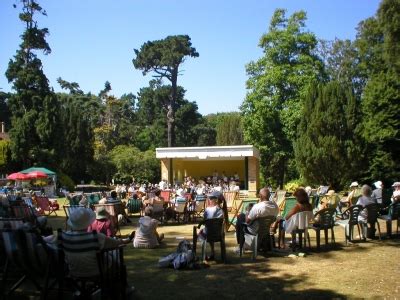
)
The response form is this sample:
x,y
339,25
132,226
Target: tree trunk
x,y
171,109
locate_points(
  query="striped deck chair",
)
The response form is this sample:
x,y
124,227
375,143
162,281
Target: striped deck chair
x,y
280,197
68,209
29,254
134,206
197,207
180,209
12,223
28,201
27,213
74,245
230,198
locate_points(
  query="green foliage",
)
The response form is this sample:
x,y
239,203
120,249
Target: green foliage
x,y
130,163
4,155
163,57
229,128
277,84
327,148
66,182
292,185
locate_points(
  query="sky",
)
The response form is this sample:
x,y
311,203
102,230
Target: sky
x,y
93,41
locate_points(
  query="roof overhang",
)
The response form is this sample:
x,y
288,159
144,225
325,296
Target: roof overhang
x,y
221,152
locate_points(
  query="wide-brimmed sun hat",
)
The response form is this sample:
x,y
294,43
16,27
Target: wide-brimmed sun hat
x,y
354,184
397,183
101,213
81,218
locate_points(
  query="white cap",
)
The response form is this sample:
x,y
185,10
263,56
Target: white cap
x,y
354,184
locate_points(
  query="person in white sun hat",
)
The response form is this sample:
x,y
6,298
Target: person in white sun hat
x,y
377,192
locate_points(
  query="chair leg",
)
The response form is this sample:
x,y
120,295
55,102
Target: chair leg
x,y
301,240
293,242
255,246
379,230
326,236
308,238
223,251
194,239
333,236
203,250
318,234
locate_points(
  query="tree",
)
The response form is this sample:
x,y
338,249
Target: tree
x,y
377,42
164,57
33,105
327,149
277,84
130,162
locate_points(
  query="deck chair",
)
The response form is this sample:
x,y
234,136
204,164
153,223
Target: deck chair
x,y
72,244
348,224
27,213
74,199
68,209
372,219
261,238
324,221
280,197
166,195
180,209
393,215
197,207
113,274
12,223
215,233
230,198
134,206
298,224
44,206
29,254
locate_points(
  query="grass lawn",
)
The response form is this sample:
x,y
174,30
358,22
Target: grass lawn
x,y
361,270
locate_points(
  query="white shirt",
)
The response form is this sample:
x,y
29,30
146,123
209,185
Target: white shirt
x,y
263,209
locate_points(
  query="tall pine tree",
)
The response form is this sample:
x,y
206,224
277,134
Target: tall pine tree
x,y
33,105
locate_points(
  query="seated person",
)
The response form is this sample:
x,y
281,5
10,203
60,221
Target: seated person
x,y
147,236
345,202
122,216
303,204
263,208
377,192
396,193
212,211
102,223
84,264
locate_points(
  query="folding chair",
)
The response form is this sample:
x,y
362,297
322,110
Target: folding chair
x,y
44,205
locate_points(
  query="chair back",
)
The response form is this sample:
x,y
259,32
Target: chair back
x,y
43,203
28,201
134,205
79,246
12,223
372,212
68,209
180,204
166,195
230,198
215,229
299,221
395,211
243,195
74,199
27,213
354,211
287,205
112,274
280,197
326,218
200,202
264,225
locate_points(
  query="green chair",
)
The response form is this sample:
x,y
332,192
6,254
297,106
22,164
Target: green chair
x,y
134,206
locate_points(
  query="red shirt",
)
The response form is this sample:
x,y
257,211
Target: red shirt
x,y
104,226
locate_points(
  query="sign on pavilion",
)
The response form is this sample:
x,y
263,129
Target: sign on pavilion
x,y
203,162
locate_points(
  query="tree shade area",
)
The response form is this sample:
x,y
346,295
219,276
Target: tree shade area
x,y
320,112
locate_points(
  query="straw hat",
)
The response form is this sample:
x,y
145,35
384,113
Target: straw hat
x,y
81,218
